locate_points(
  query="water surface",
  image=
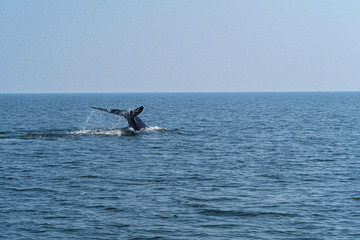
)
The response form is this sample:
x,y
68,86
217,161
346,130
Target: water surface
x,y
211,166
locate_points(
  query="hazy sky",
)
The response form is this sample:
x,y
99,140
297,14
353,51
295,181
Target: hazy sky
x,y
179,46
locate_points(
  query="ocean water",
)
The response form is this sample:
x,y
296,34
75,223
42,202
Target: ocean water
x,y
211,166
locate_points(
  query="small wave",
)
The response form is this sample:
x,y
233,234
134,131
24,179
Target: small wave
x,y
233,213
31,189
35,135
45,135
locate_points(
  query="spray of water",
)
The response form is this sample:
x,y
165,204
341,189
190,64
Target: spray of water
x,y
101,124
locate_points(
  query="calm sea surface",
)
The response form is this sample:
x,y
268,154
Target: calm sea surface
x,y
211,166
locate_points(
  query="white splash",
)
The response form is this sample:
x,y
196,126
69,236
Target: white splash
x,y
109,132
97,120
153,129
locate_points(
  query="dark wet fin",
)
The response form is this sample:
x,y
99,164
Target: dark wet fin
x,y
113,111
135,112
125,113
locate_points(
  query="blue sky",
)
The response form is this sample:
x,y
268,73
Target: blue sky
x,y
179,46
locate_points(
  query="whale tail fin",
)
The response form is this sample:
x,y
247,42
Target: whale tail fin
x,y
128,114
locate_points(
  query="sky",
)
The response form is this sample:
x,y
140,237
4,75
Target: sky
x,y
62,46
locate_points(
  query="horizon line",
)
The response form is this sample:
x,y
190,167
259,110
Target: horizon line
x,y
130,92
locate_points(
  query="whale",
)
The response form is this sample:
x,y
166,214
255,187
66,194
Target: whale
x,y
131,116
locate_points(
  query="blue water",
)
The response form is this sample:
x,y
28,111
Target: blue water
x,y
211,166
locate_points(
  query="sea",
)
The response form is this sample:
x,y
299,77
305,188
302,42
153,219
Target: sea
x,y
210,166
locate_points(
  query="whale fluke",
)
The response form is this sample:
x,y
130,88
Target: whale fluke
x,y
131,115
